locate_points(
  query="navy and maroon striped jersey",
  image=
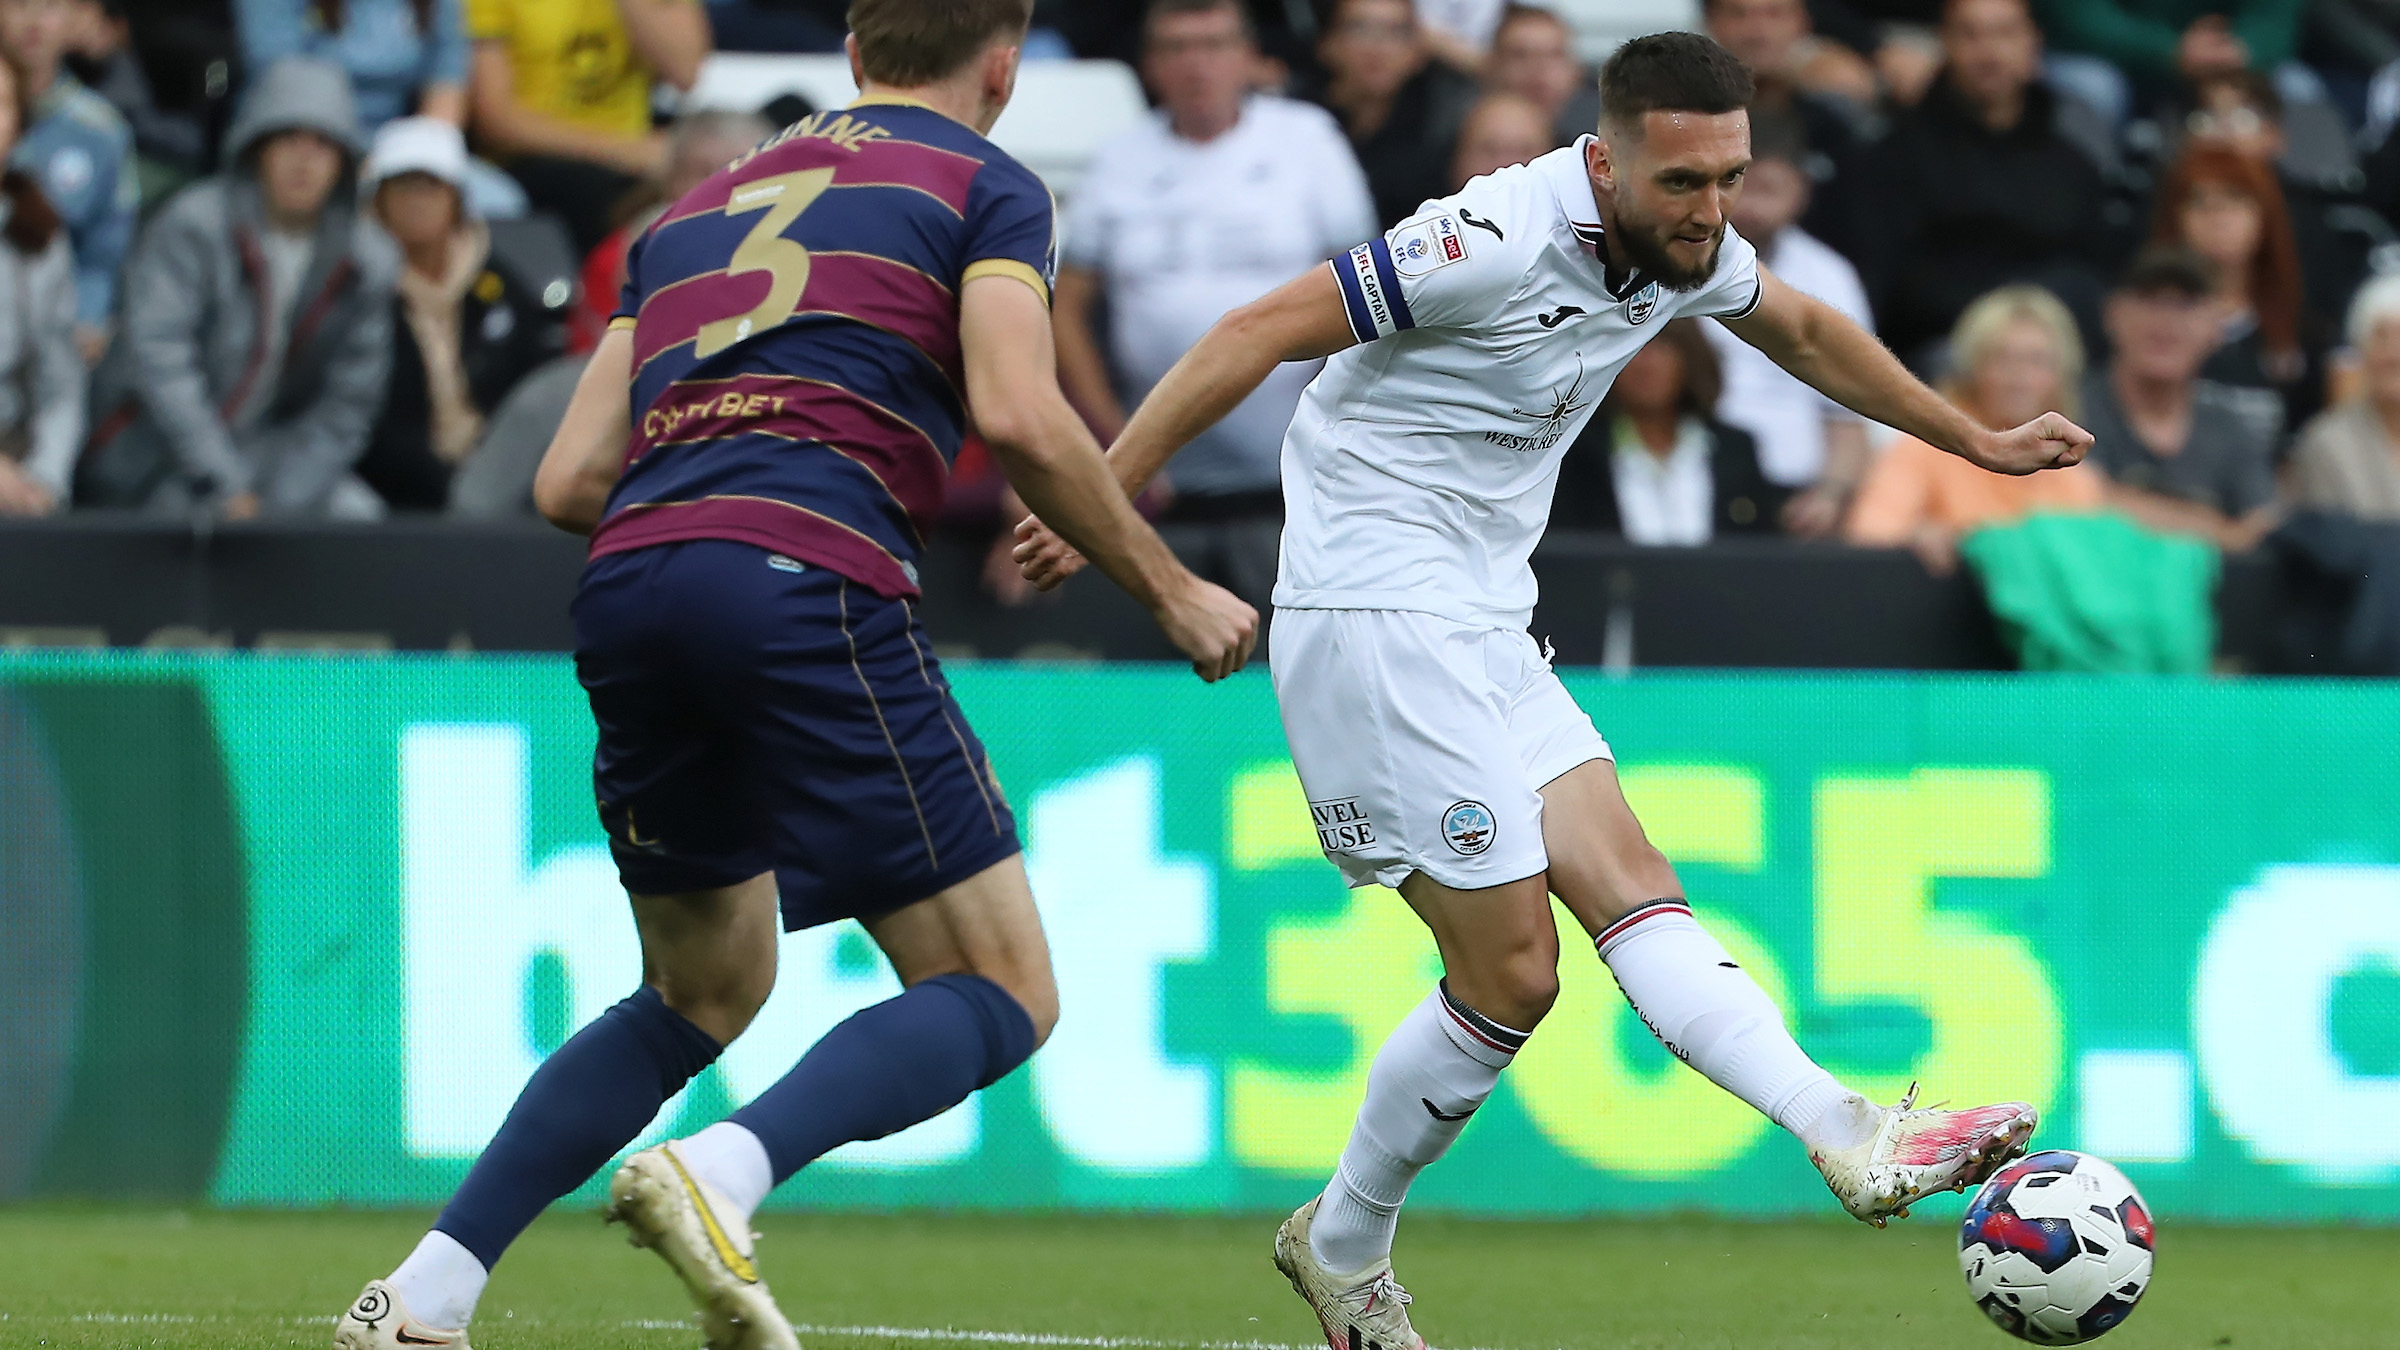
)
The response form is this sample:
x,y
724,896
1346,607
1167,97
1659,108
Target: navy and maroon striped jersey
x,y
797,378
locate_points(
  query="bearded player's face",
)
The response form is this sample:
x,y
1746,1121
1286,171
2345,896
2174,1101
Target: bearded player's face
x,y
1672,181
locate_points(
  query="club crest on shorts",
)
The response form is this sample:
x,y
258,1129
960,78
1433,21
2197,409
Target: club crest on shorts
x,y
1641,305
1468,827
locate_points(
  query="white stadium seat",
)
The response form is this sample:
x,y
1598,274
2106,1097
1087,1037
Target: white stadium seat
x,y
1601,26
1063,110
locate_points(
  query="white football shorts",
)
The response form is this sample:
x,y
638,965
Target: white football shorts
x,y
1423,743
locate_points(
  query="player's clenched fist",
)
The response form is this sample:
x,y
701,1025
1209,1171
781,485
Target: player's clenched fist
x,y
1042,557
1210,624
2049,441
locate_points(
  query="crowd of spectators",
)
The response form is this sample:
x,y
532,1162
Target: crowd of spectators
x,y
338,258
2150,214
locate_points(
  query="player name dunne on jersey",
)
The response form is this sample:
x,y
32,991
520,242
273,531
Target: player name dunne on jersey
x,y
1489,326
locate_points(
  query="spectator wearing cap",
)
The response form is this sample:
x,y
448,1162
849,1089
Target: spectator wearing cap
x,y
1166,230
2181,453
2347,461
41,372
1533,57
80,152
559,91
466,329
1808,444
1400,107
1978,187
257,324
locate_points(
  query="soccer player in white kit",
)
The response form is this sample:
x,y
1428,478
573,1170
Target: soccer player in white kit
x,y
1439,753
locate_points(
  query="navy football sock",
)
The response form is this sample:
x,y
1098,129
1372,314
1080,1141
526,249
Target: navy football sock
x,y
587,1101
901,1061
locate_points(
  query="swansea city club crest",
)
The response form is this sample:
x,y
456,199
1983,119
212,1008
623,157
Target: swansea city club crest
x,y
1467,827
1641,305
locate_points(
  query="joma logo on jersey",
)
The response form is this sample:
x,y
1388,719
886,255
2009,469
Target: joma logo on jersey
x,y
1342,826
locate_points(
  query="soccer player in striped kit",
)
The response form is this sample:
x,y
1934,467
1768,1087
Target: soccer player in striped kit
x,y
756,450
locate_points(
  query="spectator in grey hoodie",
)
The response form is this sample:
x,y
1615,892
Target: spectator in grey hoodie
x,y
257,324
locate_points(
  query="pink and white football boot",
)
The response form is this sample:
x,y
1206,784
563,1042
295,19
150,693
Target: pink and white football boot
x,y
1915,1153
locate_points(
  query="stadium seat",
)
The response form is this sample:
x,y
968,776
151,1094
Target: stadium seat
x,y
538,249
1601,26
1063,110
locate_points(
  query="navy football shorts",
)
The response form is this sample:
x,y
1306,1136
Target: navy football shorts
x,y
757,714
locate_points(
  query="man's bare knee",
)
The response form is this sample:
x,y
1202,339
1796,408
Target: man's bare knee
x,y
1528,980
1033,987
986,926
1516,988
720,998
711,954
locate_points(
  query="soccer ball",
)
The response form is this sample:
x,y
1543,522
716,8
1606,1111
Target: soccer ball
x,y
2057,1248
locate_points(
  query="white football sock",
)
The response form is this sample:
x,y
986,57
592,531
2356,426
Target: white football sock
x,y
440,1281
1714,1017
731,1159
1434,1070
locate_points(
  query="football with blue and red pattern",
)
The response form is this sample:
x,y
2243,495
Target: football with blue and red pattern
x,y
2057,1248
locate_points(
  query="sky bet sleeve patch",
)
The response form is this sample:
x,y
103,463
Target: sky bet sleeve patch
x,y
1427,244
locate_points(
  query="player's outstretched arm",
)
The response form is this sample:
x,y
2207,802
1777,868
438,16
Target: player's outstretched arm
x,y
1299,321
1052,461
580,468
1846,363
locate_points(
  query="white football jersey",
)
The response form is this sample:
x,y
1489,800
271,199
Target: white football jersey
x,y
1418,472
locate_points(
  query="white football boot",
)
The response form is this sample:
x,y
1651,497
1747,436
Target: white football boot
x,y
1367,1310
378,1320
1916,1153
668,1210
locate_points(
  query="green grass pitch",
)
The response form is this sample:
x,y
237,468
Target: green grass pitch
x,y
118,1278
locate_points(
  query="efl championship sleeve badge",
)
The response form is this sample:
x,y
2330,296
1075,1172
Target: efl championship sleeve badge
x,y
1426,244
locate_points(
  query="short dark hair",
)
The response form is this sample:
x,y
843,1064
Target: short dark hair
x,y
907,43
1673,72
1160,9
2169,270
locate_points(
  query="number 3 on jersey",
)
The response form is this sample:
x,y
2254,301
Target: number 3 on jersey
x,y
785,261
